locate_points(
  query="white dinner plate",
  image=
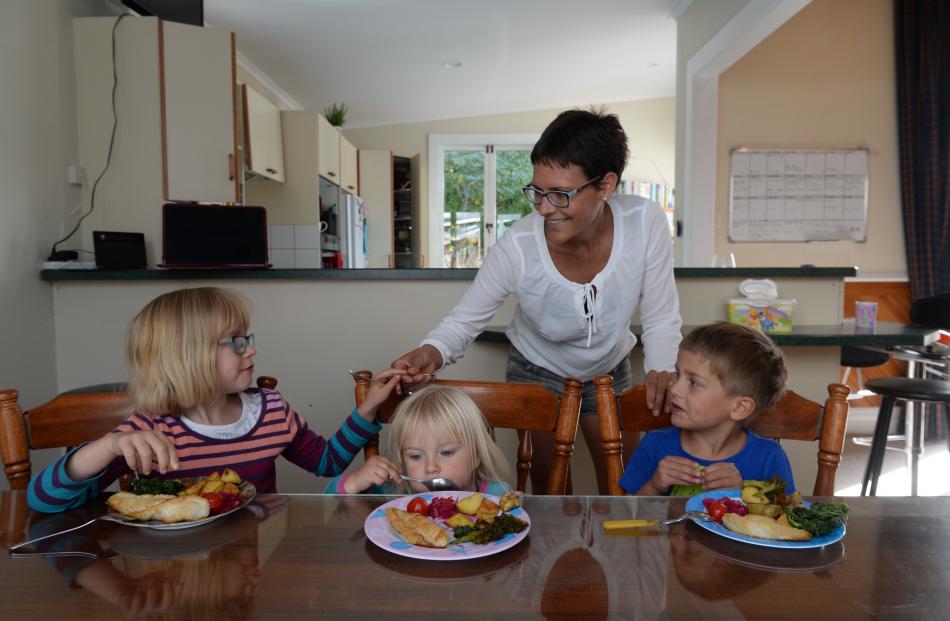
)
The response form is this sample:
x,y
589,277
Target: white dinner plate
x,y
247,491
696,504
380,531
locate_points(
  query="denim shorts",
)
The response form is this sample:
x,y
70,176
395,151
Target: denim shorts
x,y
520,369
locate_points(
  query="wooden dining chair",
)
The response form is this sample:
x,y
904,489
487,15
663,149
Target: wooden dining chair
x,y
793,418
511,405
71,418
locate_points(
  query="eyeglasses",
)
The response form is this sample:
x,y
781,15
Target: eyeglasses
x,y
239,344
558,198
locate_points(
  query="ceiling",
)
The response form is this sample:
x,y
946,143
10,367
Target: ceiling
x,y
384,58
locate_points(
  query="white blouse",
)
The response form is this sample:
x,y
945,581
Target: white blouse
x,y
576,330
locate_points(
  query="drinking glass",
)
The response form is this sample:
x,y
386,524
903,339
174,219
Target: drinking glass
x,y
724,260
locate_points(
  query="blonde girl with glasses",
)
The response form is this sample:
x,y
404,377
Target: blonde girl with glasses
x,y
191,359
580,267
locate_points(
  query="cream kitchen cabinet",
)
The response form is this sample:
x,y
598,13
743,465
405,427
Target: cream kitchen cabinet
x,y
349,167
298,199
376,190
263,143
176,135
328,148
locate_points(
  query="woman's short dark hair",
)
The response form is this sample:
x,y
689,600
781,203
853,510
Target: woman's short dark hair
x,y
591,139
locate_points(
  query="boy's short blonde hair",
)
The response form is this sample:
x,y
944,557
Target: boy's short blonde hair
x,y
173,345
745,361
447,410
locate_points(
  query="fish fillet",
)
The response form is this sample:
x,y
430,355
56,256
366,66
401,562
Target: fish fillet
x,y
417,529
162,507
763,527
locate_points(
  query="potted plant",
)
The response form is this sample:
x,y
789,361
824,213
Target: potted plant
x,y
335,114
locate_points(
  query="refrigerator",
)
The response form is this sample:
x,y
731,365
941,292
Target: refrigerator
x,y
355,242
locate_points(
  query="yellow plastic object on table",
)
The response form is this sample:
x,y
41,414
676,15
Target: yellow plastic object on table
x,y
621,524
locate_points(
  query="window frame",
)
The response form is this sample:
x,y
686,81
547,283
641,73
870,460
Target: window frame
x,y
438,145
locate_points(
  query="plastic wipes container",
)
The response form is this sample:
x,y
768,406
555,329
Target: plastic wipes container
x,y
773,316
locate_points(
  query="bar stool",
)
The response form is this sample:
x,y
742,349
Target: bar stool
x,y
858,358
901,389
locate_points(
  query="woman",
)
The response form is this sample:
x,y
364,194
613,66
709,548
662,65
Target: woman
x,y
580,267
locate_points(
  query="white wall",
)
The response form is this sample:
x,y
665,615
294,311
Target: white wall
x,y
694,28
825,79
37,142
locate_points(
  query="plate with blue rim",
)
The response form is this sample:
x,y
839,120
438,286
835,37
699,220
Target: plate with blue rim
x,y
380,531
695,503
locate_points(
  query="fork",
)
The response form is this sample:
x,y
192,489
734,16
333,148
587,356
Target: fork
x,y
13,549
619,524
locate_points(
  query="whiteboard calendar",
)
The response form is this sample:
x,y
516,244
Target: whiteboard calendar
x,y
798,195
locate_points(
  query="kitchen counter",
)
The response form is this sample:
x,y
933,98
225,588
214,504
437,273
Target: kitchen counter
x,y
411,274
843,335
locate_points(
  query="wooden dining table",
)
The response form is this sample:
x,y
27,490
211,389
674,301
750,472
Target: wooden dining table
x,y
307,556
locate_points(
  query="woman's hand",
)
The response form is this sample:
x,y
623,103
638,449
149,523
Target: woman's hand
x,y
420,365
658,384
142,449
721,475
375,471
379,390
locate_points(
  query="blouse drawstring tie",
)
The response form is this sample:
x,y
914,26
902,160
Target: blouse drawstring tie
x,y
590,294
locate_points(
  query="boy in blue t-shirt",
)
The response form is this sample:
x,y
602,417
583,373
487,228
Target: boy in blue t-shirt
x,y
727,374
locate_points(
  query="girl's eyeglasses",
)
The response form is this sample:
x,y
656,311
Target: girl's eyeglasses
x,y
558,198
239,344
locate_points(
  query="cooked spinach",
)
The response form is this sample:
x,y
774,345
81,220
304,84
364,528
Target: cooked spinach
x,y
819,519
156,486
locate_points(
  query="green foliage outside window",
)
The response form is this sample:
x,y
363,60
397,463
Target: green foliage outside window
x,y
464,201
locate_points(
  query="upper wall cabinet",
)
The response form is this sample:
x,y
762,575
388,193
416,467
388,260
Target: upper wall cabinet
x,y
328,144
199,79
174,119
263,144
349,167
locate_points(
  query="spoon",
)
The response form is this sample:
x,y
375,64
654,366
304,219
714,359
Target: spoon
x,y
363,376
437,484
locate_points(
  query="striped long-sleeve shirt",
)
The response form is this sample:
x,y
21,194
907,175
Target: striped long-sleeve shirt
x,y
279,431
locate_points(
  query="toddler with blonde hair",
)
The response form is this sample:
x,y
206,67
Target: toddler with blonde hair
x,y
437,432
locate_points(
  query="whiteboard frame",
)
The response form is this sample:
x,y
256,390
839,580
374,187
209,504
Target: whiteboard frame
x,y
798,231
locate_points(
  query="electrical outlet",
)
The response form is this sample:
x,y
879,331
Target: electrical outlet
x,y
76,175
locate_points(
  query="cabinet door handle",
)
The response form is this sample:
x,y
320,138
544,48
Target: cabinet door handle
x,y
422,260
272,171
349,187
332,174
230,167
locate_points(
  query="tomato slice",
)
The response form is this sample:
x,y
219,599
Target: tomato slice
x,y
717,510
216,501
418,505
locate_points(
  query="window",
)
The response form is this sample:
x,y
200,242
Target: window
x,y
475,185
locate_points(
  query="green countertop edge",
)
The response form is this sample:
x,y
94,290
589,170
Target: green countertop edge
x,y
410,274
888,334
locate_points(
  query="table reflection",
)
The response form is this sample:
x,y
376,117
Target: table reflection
x,y
197,573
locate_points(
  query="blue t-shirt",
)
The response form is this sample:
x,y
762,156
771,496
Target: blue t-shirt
x,y
758,460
